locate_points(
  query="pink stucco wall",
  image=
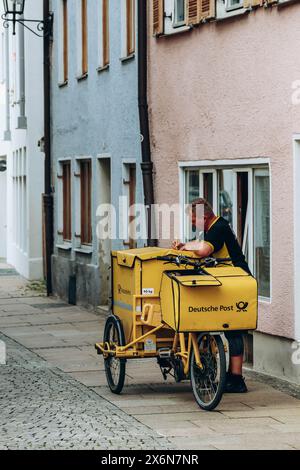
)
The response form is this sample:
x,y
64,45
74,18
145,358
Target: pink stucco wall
x,y
224,91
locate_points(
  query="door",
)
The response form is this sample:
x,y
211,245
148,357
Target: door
x,y
3,214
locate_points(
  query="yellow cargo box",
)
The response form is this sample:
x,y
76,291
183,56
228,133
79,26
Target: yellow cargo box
x,y
136,272
221,299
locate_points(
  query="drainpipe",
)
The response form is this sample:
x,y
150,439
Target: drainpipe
x,y
147,164
22,120
7,132
47,196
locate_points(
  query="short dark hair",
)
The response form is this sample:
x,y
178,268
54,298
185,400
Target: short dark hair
x,y
208,210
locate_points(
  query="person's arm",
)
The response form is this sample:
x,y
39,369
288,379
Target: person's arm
x,y
200,248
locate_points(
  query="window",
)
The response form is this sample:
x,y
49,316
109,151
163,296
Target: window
x,y
129,182
262,231
86,201
179,13
242,197
233,4
105,33
128,28
84,38
66,180
65,39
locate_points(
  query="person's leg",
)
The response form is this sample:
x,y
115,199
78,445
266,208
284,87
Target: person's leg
x,y
236,364
235,382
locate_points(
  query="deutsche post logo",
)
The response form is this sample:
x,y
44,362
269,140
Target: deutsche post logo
x,y
242,306
123,291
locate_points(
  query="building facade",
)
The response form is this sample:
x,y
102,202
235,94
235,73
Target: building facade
x,y
225,124
95,139
21,130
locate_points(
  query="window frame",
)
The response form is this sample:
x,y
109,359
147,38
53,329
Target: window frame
x,y
66,199
86,226
175,23
236,166
84,37
61,241
229,7
128,29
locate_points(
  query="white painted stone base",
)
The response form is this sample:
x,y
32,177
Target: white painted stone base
x,y
277,356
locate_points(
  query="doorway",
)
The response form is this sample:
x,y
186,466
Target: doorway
x,y
3,208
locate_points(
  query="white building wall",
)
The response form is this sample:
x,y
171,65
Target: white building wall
x,y
25,162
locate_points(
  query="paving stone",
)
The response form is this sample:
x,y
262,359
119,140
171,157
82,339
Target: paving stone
x,y
44,408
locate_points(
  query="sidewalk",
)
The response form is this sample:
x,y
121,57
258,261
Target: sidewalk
x,y
62,338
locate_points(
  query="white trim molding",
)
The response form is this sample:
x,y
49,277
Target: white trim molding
x,y
296,152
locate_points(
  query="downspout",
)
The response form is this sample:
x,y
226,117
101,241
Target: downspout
x,y
147,164
7,132
47,196
22,120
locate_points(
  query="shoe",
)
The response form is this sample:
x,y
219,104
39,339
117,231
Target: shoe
x,y
235,384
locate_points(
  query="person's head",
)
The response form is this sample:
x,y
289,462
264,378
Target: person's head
x,y
201,213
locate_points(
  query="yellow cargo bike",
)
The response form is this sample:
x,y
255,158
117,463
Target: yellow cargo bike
x,y
175,307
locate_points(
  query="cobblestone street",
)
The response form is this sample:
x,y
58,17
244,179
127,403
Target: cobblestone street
x,y
54,393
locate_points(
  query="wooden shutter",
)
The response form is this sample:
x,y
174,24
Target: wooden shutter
x,y
67,228
253,3
65,39
86,201
158,17
193,11
130,24
84,31
105,32
207,9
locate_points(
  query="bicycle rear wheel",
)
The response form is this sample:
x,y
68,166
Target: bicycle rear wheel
x,y
208,383
115,368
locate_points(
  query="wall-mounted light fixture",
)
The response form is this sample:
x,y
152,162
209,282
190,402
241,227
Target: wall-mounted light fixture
x,y
13,13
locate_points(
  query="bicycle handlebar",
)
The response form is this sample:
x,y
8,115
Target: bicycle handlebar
x,y
183,260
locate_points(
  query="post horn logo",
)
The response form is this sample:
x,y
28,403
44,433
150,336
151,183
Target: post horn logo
x,y
123,291
242,306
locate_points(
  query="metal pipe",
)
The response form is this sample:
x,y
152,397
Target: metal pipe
x,y
147,164
47,196
22,120
7,132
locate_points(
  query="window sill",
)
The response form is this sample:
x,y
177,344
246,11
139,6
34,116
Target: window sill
x,y
174,31
128,57
234,8
102,68
63,84
82,77
84,251
64,246
232,14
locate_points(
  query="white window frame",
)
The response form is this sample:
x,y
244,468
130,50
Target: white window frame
x,y
61,243
60,42
178,24
234,7
124,54
224,10
170,26
238,165
79,247
296,173
79,51
101,65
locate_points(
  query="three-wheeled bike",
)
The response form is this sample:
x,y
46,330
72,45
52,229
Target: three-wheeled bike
x,y
176,307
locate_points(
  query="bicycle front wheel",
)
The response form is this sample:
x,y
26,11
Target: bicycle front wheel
x,y
208,382
115,368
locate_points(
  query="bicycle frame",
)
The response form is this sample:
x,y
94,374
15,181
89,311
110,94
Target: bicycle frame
x,y
131,351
